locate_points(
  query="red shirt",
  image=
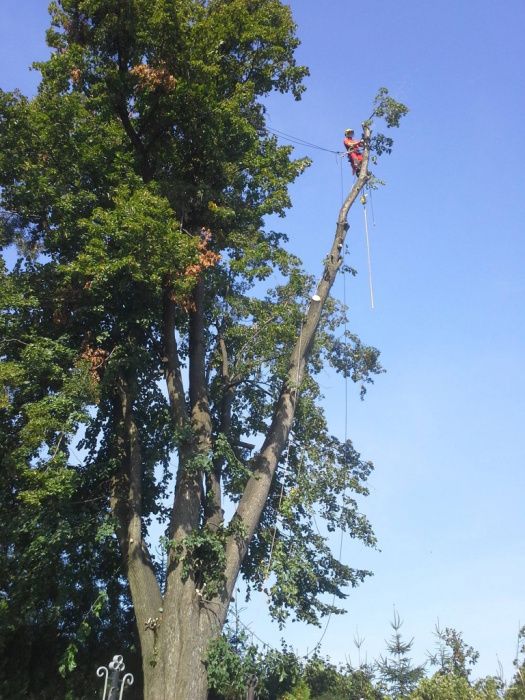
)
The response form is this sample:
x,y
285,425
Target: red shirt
x,y
351,144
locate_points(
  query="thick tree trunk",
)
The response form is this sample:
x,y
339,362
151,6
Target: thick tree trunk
x,y
188,626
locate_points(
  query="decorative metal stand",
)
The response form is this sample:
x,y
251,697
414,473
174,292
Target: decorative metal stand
x,y
113,684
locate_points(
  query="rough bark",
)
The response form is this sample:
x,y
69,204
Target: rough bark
x,y
188,622
188,490
183,639
126,505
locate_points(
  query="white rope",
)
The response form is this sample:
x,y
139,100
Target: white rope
x,y
286,459
370,284
341,534
372,207
341,178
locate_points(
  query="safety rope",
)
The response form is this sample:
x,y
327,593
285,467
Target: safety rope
x,y
286,459
341,179
371,205
370,284
299,141
341,534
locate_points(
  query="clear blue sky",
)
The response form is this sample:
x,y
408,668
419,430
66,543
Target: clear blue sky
x,y
444,426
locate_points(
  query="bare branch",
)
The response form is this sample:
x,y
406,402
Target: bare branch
x,y
188,490
252,502
172,371
214,512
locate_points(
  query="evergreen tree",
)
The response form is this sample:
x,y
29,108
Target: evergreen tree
x,y
398,676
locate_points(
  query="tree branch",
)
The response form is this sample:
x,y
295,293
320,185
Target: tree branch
x,y
187,504
126,505
136,141
252,502
172,368
214,512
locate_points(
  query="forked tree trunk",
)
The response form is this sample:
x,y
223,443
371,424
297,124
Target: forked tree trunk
x,y
175,630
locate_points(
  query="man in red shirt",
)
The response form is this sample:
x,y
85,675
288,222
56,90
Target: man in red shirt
x,y
353,149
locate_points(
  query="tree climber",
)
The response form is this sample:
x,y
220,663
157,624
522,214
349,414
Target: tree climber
x,y
354,152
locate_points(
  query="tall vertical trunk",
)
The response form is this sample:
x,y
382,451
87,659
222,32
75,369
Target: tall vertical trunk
x,y
188,622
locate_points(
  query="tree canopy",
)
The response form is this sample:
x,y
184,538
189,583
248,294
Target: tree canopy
x,y
145,340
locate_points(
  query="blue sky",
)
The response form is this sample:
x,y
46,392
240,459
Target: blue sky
x,y
444,426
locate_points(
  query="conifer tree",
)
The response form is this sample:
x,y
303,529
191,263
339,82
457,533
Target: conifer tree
x,y
398,676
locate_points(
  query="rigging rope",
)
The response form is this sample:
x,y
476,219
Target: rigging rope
x,y
286,459
370,285
341,178
371,206
298,141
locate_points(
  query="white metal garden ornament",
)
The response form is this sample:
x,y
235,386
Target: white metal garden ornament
x,y
113,683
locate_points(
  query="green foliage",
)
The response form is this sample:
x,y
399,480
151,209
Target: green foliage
x,y
453,656
69,659
279,672
391,111
443,688
141,166
454,687
202,555
329,682
385,107
232,663
300,691
137,242
489,688
228,670
516,691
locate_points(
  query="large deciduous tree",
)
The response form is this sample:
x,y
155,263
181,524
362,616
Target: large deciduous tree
x,y
144,337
